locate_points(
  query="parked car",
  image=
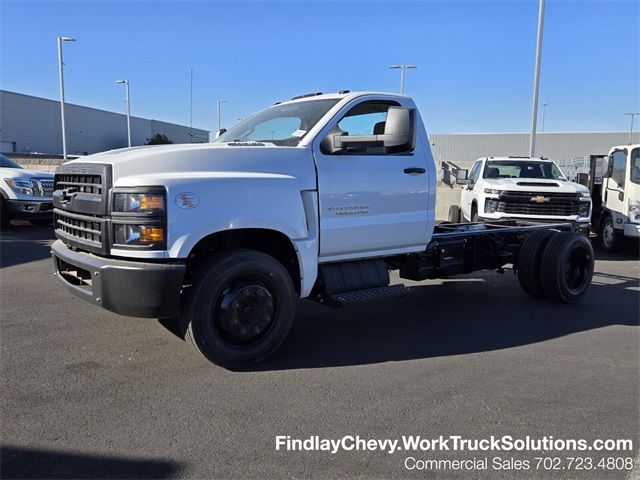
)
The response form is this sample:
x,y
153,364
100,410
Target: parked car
x,y
25,194
532,189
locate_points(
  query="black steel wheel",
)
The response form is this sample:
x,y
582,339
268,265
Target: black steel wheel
x,y
567,267
609,238
240,309
530,260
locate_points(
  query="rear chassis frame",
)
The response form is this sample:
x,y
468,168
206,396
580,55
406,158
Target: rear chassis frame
x,y
457,248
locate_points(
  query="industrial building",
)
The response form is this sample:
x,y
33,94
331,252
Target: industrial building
x,y
462,149
31,124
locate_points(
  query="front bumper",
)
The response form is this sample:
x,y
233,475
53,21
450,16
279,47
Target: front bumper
x,y
577,226
136,289
632,230
29,209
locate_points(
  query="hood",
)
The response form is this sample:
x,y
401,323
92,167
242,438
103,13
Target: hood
x,y
23,172
153,163
535,185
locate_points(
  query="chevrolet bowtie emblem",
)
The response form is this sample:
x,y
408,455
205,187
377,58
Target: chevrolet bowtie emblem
x,y
540,199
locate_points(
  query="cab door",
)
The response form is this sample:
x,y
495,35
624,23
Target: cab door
x,y
371,201
614,194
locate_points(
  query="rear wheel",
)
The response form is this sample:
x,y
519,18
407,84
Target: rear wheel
x,y
529,262
454,214
241,308
609,238
567,267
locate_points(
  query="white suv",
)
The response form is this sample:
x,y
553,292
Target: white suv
x,y
24,194
522,188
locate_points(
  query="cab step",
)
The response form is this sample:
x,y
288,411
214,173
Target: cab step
x,y
341,299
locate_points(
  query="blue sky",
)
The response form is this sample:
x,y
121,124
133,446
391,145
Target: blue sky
x,y
475,58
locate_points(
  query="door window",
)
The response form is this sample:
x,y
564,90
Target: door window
x,y
367,118
475,171
619,167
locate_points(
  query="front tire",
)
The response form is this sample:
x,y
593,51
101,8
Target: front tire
x,y
5,219
567,267
241,308
609,239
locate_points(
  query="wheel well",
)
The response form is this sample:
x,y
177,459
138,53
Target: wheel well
x,y
270,242
474,207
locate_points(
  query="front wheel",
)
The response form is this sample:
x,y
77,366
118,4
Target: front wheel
x,y
240,309
609,238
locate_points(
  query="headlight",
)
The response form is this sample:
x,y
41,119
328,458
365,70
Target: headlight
x,y
151,203
142,235
634,210
583,209
493,191
490,205
20,187
586,195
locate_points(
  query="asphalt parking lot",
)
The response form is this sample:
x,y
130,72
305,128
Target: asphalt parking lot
x,y
90,394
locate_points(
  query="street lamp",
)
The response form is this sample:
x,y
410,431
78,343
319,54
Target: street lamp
x,y
128,102
220,101
61,77
631,128
536,80
544,111
402,69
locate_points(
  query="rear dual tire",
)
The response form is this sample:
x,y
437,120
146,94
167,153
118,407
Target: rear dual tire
x,y
557,266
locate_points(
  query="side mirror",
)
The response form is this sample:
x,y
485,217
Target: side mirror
x,y
607,167
220,132
583,179
397,137
462,177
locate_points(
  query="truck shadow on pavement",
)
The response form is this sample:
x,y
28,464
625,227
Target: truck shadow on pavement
x,y
17,462
458,317
25,243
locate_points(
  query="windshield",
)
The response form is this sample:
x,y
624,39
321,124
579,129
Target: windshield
x,y
635,165
6,162
283,125
522,169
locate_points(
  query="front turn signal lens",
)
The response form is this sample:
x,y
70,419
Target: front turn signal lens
x,y
149,235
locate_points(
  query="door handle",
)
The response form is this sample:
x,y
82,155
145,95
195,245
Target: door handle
x,y
414,170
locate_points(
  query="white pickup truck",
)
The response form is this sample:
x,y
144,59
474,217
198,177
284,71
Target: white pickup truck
x,y
522,188
316,197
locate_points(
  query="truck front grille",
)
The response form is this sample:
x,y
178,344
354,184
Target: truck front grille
x,y
83,183
539,203
80,230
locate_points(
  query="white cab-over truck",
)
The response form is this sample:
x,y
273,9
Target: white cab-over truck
x,y
317,197
522,188
614,182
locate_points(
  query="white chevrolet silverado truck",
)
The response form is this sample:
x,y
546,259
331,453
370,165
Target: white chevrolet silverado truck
x,y
318,197
523,188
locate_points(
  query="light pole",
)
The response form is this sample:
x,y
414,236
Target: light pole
x,y
61,77
220,101
631,128
536,81
402,69
544,111
127,100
